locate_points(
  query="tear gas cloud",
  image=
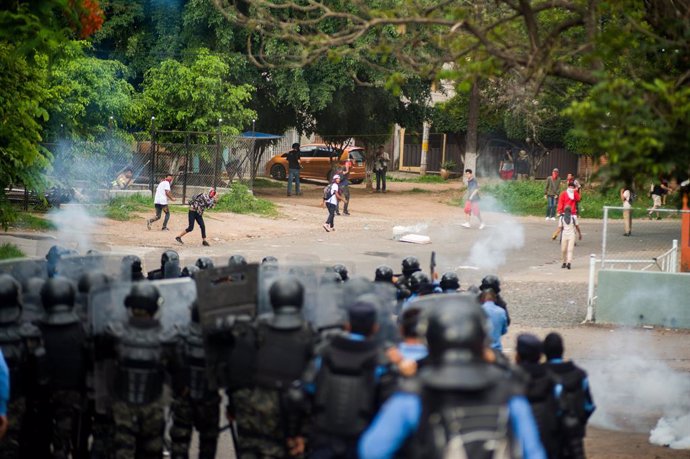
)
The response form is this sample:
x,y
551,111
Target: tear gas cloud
x,y
634,387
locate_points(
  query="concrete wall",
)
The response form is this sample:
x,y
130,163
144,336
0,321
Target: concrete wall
x,y
643,298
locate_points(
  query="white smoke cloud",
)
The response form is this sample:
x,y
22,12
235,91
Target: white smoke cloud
x,y
498,239
635,387
75,226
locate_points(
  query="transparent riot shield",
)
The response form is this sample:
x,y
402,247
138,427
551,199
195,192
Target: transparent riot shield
x,y
74,266
23,269
107,303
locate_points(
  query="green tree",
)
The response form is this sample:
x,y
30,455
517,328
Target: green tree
x,y
86,92
195,95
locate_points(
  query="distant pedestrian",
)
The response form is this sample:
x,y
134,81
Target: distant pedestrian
x,y
522,165
472,200
160,201
294,166
344,186
331,202
568,226
626,197
197,205
553,187
506,168
658,192
578,187
381,168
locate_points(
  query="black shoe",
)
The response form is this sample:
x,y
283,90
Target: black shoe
x,y
205,243
563,266
346,213
337,213
568,266
165,229
658,218
148,224
179,239
289,194
626,234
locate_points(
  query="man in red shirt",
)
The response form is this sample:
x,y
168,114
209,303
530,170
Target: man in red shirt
x,y
569,197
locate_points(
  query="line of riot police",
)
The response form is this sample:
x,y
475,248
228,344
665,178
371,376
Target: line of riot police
x,y
305,355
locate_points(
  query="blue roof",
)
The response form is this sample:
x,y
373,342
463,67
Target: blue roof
x,y
261,135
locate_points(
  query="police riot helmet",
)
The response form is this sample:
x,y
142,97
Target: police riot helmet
x,y
456,323
384,273
450,281
204,263
89,281
58,291
342,270
10,304
286,291
144,296
132,269
169,255
410,265
237,260
269,259
491,282
418,280
189,271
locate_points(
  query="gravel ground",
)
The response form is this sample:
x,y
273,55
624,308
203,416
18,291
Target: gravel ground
x,y
545,304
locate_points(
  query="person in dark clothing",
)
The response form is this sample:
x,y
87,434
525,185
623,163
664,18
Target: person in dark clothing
x,y
575,401
493,282
540,389
346,382
197,205
67,361
294,165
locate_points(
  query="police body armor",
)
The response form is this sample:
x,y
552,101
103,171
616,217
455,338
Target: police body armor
x,y
465,413
539,390
283,353
140,373
194,363
16,343
65,337
345,399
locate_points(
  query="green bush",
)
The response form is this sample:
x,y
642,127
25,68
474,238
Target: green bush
x,y
421,179
241,201
527,198
10,251
25,220
122,207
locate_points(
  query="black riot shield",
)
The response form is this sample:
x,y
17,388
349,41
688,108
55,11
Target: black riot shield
x,y
227,308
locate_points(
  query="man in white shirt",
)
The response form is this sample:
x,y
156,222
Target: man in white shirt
x,y
163,194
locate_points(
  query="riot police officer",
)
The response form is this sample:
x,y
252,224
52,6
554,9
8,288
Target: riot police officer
x,y
67,360
285,344
23,350
131,269
195,403
143,353
383,273
171,258
459,405
449,282
341,269
492,282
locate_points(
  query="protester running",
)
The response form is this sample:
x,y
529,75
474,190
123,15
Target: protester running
x,y
197,205
160,201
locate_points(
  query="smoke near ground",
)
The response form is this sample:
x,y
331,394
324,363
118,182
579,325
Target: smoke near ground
x,y
75,226
634,388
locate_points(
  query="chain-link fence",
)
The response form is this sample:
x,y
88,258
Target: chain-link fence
x,y
195,159
648,244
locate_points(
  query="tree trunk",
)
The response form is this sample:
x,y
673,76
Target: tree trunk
x,y
470,159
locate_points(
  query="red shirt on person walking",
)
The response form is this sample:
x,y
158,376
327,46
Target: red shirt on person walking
x,y
569,197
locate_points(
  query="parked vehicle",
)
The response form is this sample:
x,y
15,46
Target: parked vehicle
x,y
318,163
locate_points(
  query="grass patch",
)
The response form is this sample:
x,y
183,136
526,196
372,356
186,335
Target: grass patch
x,y
267,183
122,207
24,220
527,198
419,179
10,251
240,200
